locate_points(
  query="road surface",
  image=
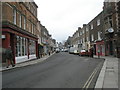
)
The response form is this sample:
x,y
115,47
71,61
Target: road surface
x,y
62,70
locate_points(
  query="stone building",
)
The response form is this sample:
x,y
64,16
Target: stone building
x,y
111,23
47,42
19,29
96,29
75,39
102,33
39,35
68,42
44,39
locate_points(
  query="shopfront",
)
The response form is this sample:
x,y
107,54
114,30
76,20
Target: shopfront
x,y
100,48
24,45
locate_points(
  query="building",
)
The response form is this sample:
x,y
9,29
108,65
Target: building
x,y
111,23
87,39
118,29
83,37
39,35
75,39
19,29
52,44
44,39
47,42
96,27
68,42
102,33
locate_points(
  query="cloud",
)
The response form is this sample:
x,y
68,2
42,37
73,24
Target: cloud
x,y
63,17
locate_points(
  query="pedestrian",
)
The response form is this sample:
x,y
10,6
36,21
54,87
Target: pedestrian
x,y
98,53
91,51
49,52
9,57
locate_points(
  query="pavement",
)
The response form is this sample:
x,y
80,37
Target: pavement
x,y
108,77
26,63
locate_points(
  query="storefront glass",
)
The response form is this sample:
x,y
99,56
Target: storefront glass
x,y
32,47
21,46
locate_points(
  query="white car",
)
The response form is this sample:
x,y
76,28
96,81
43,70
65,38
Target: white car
x,y
73,50
57,50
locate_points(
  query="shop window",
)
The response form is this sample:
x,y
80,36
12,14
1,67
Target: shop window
x,y
21,46
32,47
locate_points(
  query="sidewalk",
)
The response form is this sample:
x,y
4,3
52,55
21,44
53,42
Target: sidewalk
x,y
108,77
22,64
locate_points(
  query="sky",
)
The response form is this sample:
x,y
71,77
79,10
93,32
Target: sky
x,y
63,17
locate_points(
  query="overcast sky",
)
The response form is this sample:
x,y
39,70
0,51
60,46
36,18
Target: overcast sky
x,y
63,17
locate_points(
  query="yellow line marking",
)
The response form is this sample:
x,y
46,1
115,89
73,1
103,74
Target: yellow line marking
x,y
91,79
88,82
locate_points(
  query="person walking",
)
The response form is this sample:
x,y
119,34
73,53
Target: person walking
x,y
92,52
9,57
49,52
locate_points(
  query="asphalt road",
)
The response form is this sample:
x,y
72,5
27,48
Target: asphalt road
x,y
62,70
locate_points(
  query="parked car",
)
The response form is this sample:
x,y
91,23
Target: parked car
x,y
62,50
84,53
73,50
66,50
57,50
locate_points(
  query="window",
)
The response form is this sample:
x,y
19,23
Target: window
x,y
14,16
92,37
21,46
91,26
20,18
83,40
80,32
87,29
99,38
24,23
32,28
87,39
83,31
29,28
98,22
32,47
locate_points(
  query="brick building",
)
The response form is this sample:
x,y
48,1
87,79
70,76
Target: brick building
x,y
19,29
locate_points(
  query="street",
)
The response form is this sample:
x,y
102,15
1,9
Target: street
x,y
62,70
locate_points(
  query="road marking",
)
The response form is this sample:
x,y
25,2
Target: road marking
x,y
92,78
88,82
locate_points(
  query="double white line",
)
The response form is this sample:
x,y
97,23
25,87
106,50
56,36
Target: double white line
x,y
87,84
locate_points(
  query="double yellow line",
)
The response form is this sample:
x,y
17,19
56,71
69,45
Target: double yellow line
x,y
88,82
